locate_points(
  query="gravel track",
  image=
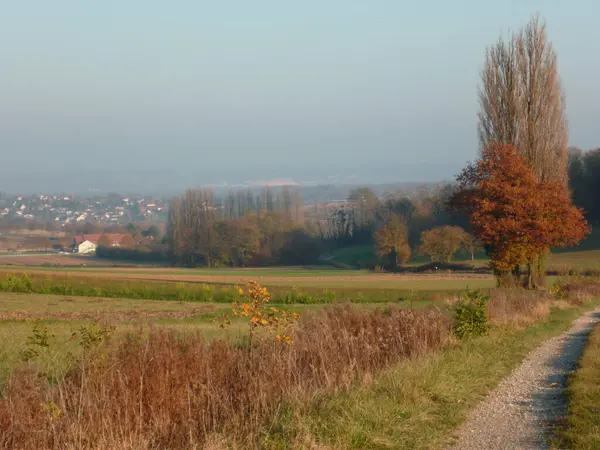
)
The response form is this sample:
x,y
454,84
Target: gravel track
x,y
520,412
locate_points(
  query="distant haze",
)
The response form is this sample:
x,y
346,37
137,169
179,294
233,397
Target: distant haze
x,y
152,95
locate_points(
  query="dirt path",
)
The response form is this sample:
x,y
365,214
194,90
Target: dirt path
x,y
519,413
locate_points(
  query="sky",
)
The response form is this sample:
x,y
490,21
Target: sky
x,y
196,92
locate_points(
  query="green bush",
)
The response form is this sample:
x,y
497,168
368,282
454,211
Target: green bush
x,y
471,315
16,283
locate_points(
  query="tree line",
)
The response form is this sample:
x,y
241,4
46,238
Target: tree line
x,y
275,227
240,229
584,181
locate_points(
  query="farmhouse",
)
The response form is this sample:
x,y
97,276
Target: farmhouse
x,y
88,243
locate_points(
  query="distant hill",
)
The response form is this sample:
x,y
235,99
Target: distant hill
x,y
170,180
166,183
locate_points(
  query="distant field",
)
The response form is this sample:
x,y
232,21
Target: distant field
x,y
589,259
14,306
307,278
54,259
321,277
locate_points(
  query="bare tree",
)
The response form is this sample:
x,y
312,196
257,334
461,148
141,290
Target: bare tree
x,y
522,102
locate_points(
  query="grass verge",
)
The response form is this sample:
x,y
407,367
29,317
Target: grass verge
x,y
417,404
583,421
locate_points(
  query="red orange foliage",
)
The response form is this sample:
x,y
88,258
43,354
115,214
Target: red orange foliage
x,y
514,215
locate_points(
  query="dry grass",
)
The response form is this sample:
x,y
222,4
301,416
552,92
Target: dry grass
x,y
581,290
165,390
518,308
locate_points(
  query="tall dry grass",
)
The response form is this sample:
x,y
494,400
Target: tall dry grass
x,y
580,290
518,308
166,390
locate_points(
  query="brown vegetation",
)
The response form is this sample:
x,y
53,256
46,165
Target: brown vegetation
x,y
580,290
173,391
518,218
518,308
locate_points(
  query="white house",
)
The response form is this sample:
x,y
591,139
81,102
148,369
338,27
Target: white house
x,y
86,244
86,247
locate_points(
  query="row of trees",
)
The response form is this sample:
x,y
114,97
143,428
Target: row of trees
x,y
239,230
392,244
275,228
355,221
584,181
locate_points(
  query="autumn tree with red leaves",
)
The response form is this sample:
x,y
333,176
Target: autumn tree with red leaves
x,y
517,218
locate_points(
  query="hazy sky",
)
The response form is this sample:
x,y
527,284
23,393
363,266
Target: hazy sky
x,y
241,90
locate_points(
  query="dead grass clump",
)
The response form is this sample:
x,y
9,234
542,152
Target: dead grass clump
x,y
581,291
562,304
518,308
167,390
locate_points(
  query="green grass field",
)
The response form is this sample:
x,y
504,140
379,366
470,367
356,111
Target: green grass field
x,y
582,429
580,260
585,257
296,272
305,278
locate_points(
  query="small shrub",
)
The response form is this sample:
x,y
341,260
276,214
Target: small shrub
x,y
556,290
39,340
93,336
17,283
471,317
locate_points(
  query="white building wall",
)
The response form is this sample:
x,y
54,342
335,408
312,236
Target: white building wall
x,y
86,247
